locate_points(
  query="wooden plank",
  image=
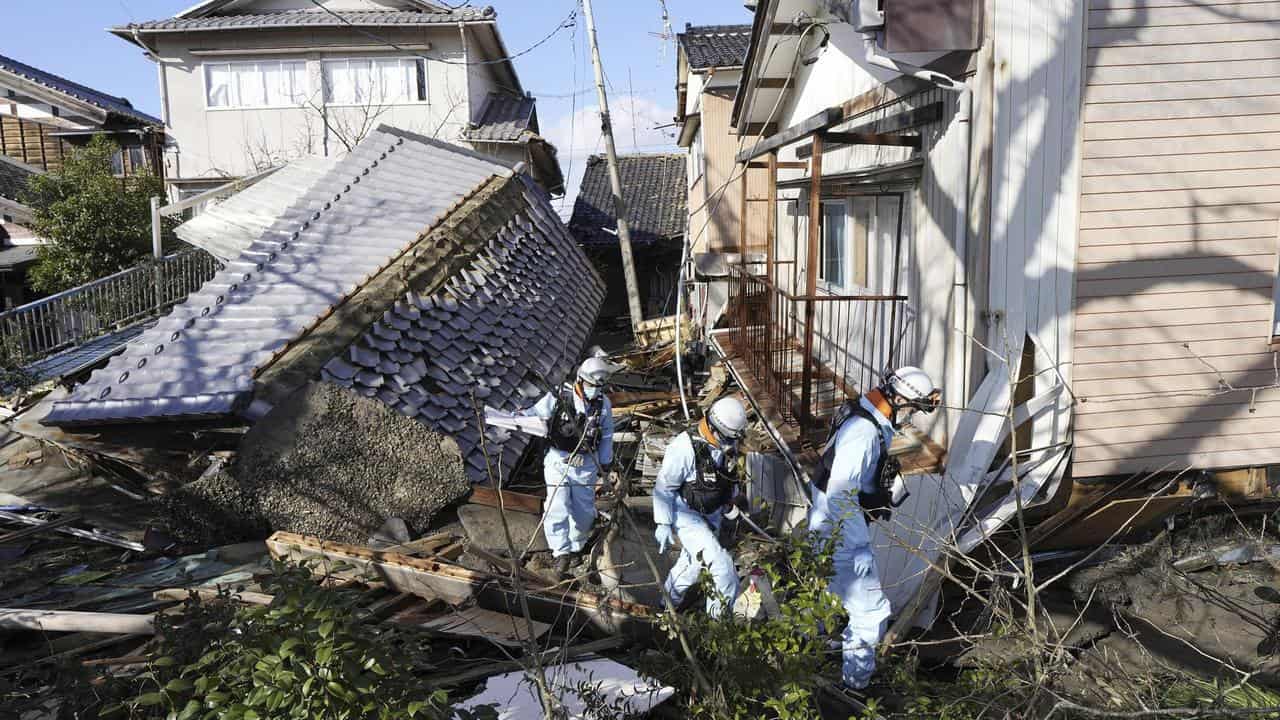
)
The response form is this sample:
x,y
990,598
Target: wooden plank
x,y
1221,458
1206,36
501,628
206,594
1147,4
1170,351
1173,318
1171,267
1190,232
1120,423
1106,167
906,120
1176,447
1183,54
1156,251
1196,129
1259,182
759,128
1255,361
855,138
1258,331
1182,109
1179,424
1207,71
1203,144
511,500
1261,295
1186,15
1189,215
806,127
1205,383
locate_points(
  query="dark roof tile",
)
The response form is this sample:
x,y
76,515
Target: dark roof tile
x,y
110,103
655,189
708,46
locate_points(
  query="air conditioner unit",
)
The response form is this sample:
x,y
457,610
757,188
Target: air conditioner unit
x,y
867,15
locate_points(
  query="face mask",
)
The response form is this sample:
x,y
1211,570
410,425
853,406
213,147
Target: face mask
x,y
590,391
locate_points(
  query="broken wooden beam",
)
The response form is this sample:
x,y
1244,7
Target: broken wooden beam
x,y
182,594
432,578
505,499
70,621
887,126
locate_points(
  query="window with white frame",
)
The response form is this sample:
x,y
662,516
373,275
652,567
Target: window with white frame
x,y
843,243
268,83
696,166
375,81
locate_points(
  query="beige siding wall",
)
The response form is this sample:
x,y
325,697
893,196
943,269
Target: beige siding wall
x,y
1180,192
721,146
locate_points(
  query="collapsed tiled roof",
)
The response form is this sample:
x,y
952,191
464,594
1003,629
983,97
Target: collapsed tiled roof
x,y
13,177
226,228
310,18
415,272
656,193
505,118
109,103
715,46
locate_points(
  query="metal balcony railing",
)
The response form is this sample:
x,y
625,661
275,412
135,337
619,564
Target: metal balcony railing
x,y
808,353
72,317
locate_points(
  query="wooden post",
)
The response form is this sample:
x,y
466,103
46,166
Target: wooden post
x,y
811,278
771,229
742,253
742,212
615,182
157,252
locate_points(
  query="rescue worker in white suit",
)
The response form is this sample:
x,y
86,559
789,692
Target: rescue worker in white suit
x,y
579,448
695,486
853,485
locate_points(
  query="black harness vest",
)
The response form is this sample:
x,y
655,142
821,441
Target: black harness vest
x,y
570,430
712,486
875,505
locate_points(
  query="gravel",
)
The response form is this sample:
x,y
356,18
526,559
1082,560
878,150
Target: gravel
x,y
329,463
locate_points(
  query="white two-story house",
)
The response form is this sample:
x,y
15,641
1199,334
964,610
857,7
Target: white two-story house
x,y
249,84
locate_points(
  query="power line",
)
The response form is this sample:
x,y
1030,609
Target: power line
x,y
568,21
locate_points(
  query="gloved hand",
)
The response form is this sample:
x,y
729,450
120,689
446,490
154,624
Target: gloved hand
x,y
663,536
863,561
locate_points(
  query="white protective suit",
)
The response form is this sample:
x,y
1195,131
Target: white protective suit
x,y
571,482
856,580
698,533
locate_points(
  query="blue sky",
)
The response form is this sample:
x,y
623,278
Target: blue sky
x,y
68,37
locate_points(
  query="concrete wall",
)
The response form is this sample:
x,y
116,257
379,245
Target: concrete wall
x,y
211,143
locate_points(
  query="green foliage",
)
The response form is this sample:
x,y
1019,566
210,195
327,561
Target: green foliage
x,y
766,668
306,655
97,224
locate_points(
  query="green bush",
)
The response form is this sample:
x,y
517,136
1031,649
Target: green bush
x,y
97,224
306,655
768,668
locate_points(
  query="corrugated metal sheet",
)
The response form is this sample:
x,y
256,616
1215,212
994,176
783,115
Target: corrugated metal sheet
x,y
225,229
200,360
1177,253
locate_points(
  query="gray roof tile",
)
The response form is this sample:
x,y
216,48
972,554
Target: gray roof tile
x,y
505,118
310,18
110,103
655,189
719,46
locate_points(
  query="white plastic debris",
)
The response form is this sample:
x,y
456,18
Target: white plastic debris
x,y
530,425
583,688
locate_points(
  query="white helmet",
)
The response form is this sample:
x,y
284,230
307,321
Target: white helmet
x,y
594,371
913,387
728,418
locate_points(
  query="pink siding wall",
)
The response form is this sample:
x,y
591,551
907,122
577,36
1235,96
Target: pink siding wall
x,y
1180,195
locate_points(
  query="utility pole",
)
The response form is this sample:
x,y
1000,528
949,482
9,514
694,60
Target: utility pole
x,y
615,181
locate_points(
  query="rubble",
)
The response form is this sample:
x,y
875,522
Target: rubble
x,y
326,462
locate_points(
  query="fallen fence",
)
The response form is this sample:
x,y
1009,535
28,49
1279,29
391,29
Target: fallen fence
x,y
72,317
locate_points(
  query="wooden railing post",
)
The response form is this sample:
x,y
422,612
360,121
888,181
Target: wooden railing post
x,y
811,281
